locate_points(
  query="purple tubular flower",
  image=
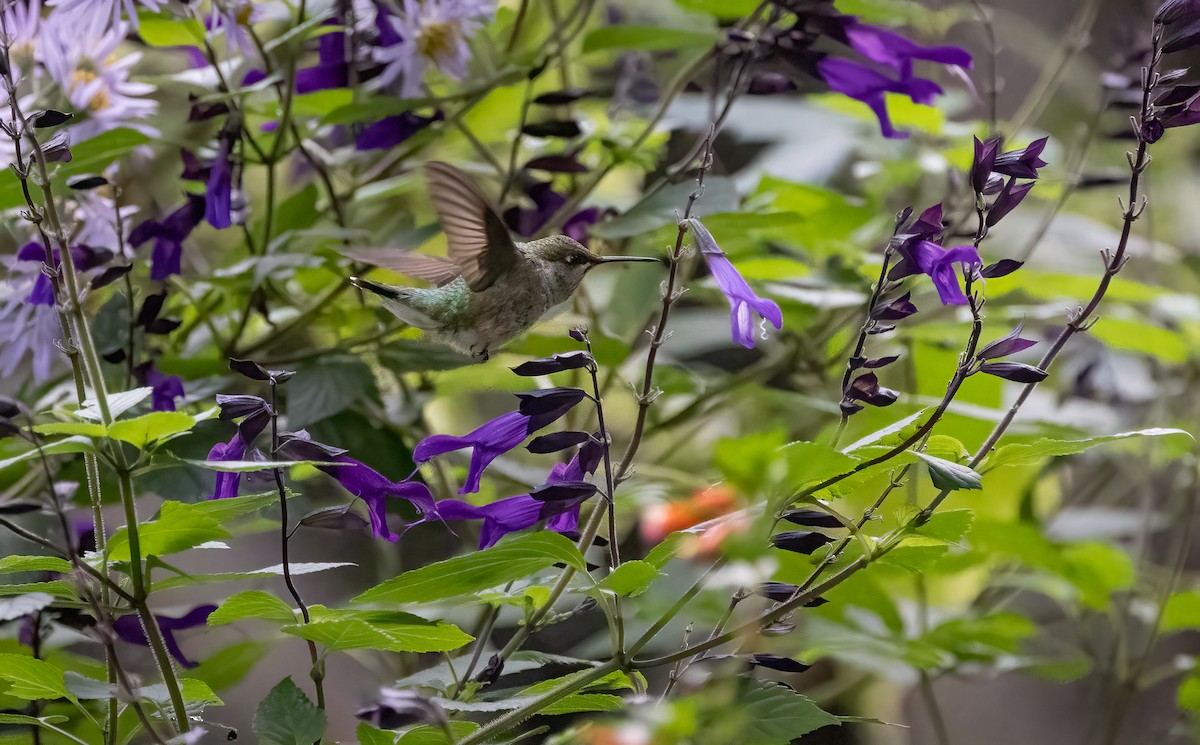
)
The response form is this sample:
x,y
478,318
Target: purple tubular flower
x,y
129,629
938,263
870,87
85,258
234,450
391,131
487,443
896,52
218,202
374,489
1023,163
166,388
500,518
525,221
743,303
1010,343
168,236
331,70
577,225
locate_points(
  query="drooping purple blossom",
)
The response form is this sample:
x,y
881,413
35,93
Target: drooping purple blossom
x,y
236,450
864,84
374,489
487,442
896,52
218,194
1009,344
938,263
393,130
129,629
168,235
166,388
526,221
743,303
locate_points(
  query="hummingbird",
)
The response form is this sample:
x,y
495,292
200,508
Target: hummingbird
x,y
489,288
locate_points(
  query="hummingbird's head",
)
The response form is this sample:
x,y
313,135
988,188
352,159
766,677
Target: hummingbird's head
x,y
568,260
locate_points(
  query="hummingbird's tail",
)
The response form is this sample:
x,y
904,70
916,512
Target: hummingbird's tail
x,y
399,300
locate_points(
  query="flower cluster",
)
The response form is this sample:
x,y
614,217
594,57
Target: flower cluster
x,y
885,65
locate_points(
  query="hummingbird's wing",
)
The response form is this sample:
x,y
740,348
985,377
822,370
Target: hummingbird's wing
x,y
433,269
479,242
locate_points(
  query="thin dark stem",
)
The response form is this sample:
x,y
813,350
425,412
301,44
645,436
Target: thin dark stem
x,y
316,672
934,711
614,553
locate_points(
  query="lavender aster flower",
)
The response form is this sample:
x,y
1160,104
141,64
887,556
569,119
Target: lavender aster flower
x,y
430,32
105,12
235,17
129,629
81,57
743,303
26,330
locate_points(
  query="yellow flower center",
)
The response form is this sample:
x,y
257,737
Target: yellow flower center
x,y
437,40
242,16
82,77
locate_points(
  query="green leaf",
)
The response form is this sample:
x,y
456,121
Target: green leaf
x,y
775,715
177,528
287,717
949,526
158,31
1137,336
631,578
368,735
1188,696
150,427
11,564
422,734
723,9
1027,454
252,604
1182,611
665,550
77,444
384,631
224,510
33,679
87,429
893,434
652,38
506,561
949,475
323,389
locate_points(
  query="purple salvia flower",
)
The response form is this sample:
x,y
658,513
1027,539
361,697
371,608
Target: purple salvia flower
x,y
235,450
896,52
166,388
863,84
374,489
129,629
500,518
332,69
938,263
743,303
1022,163
218,197
168,235
526,221
487,443
577,225
391,131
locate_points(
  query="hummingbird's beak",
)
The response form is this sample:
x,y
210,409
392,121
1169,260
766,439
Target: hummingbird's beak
x,y
621,259
379,289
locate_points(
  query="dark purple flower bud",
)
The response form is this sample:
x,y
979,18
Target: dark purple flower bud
x,y
49,118
770,84
1182,21
487,442
866,389
556,441
300,446
1009,198
878,362
984,163
555,363
1015,371
1023,163
812,518
1180,94
816,603
337,517
203,110
778,592
563,490
109,275
894,310
129,629
995,183
563,129
780,664
579,334
799,541
19,508
561,97
9,408
238,406
1173,11
547,405
1001,268
492,671
86,183
1010,343
849,408
1153,129
250,369
562,163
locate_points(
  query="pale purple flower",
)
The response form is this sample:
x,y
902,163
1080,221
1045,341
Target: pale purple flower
x,y
129,629
96,218
23,20
743,303
433,32
235,18
81,56
26,331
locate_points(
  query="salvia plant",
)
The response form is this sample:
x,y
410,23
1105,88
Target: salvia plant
x,y
368,376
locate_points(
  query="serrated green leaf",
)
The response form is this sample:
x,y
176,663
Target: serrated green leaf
x,y
252,604
87,429
150,427
12,564
1026,454
377,633
508,560
33,679
665,550
949,526
76,444
775,715
287,717
949,475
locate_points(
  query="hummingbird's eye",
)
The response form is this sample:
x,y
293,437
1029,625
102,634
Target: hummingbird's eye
x,y
574,259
